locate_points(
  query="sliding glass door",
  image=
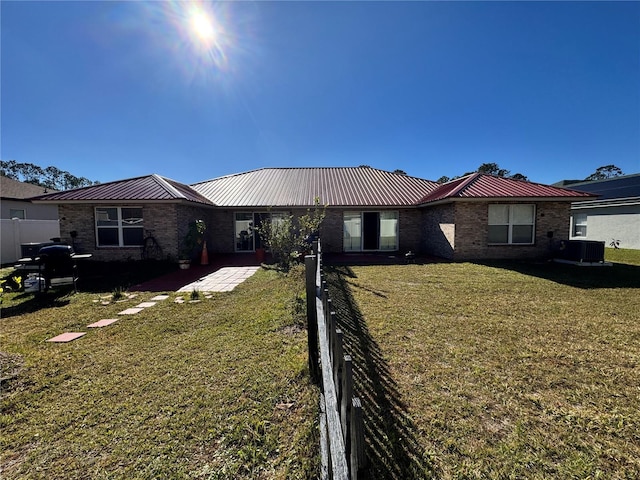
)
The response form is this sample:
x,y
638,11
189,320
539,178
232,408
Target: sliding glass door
x,y
370,231
246,228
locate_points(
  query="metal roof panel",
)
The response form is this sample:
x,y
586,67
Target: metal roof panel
x,y
336,186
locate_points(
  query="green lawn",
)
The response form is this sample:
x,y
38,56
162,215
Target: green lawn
x,y
495,371
216,389
622,255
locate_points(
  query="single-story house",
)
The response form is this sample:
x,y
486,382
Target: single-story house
x,y
22,221
613,217
478,216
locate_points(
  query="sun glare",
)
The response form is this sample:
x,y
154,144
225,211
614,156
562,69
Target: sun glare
x,y
199,36
202,26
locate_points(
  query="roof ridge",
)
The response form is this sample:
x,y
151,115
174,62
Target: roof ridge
x,y
466,182
342,167
164,182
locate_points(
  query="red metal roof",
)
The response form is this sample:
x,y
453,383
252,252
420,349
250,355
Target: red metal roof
x,y
299,187
339,186
480,185
148,188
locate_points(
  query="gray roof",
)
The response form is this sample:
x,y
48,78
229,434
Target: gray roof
x,y
151,188
626,186
335,186
15,190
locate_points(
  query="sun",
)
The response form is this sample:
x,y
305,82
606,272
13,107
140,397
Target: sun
x,y
202,26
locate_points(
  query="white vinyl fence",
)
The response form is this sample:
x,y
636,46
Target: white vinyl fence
x,y
15,232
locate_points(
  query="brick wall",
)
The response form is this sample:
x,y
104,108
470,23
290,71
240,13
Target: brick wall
x,y
471,232
331,231
167,222
409,230
221,231
438,231
158,218
185,214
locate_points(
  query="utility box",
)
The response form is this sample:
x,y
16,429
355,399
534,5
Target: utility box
x,y
584,251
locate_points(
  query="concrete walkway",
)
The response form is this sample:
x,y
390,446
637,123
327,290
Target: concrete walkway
x,y
173,281
223,280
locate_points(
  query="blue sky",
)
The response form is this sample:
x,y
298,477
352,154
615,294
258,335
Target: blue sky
x,y
112,90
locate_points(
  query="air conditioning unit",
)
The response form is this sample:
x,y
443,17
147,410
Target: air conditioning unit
x,y
584,251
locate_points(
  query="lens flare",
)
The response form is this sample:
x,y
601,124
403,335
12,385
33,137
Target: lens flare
x,y
202,26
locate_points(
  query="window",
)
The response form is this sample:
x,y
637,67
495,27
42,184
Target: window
x,y
579,224
370,231
119,226
352,232
512,224
247,238
388,230
244,232
17,213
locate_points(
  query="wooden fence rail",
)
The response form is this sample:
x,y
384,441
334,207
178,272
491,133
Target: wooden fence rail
x,y
341,423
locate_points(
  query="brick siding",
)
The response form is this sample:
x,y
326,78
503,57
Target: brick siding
x,y
438,231
471,232
455,231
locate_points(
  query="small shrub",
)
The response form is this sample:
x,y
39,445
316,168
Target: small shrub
x,y
195,295
118,294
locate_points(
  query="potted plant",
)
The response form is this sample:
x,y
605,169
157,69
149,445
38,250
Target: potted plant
x,y
192,240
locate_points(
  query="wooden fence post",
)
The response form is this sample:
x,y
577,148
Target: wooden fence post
x,y
325,457
345,403
312,319
358,460
338,359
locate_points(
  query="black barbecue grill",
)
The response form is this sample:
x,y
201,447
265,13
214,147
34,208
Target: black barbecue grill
x,y
55,264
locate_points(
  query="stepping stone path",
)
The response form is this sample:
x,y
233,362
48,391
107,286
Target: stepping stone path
x,y
66,337
131,311
103,323
223,280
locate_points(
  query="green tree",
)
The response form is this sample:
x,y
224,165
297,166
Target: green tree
x,y
604,172
489,169
49,177
287,237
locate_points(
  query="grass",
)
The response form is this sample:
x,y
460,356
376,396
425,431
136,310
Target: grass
x,y
495,371
622,255
215,389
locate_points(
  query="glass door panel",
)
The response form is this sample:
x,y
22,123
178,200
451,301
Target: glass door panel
x,y
352,232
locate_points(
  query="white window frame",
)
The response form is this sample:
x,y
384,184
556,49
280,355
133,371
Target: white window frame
x,y
121,226
511,223
579,221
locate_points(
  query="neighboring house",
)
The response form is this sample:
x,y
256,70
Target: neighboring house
x,y
23,221
368,210
613,216
15,203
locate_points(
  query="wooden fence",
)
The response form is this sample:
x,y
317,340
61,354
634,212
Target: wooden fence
x,y
341,423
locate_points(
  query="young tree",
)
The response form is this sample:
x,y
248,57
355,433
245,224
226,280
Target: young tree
x,y
287,238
